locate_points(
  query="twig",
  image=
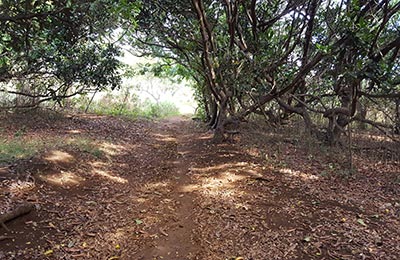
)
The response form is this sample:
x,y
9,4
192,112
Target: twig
x,y
5,237
4,226
19,211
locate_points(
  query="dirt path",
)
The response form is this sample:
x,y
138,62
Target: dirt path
x,y
108,188
178,237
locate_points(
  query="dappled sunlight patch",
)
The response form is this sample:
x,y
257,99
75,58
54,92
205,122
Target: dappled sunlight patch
x,y
225,180
109,176
374,137
242,205
57,156
298,174
20,186
156,185
140,200
105,173
253,152
112,237
225,185
220,167
62,179
206,137
111,149
164,138
190,188
98,164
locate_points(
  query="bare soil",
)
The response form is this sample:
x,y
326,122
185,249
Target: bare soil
x,y
165,190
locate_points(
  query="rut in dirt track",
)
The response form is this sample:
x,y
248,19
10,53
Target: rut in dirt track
x,y
176,233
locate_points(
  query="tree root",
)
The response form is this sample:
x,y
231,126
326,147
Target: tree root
x,y
19,211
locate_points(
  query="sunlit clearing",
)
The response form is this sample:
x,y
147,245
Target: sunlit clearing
x,y
298,174
57,156
109,176
111,149
63,178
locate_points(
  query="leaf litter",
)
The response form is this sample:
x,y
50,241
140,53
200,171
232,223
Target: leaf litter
x,y
164,189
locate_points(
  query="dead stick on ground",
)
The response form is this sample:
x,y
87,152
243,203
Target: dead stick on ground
x,y
19,211
5,237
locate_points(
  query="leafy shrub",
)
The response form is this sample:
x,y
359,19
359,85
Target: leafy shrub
x,y
158,110
130,107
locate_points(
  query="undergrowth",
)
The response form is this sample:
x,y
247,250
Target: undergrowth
x,y
18,147
130,109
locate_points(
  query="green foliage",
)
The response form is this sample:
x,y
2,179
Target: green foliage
x,y
268,49
84,145
200,113
148,109
54,50
162,68
115,109
17,148
21,147
158,110
116,104
20,132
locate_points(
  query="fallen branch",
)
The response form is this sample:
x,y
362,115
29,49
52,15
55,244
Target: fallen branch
x,y
19,211
5,237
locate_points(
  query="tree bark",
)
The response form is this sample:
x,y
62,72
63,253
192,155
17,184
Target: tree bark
x,y
219,126
397,120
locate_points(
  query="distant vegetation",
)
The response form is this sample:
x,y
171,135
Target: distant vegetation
x,y
115,105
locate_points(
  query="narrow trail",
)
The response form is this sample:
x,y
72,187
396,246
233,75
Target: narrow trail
x,y
176,237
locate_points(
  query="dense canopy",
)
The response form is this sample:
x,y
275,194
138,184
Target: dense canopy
x,y
322,59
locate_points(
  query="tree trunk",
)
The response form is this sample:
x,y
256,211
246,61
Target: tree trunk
x,y
219,125
339,121
90,102
362,113
213,113
397,120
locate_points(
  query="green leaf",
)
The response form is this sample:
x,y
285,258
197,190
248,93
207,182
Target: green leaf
x,y
138,221
361,222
